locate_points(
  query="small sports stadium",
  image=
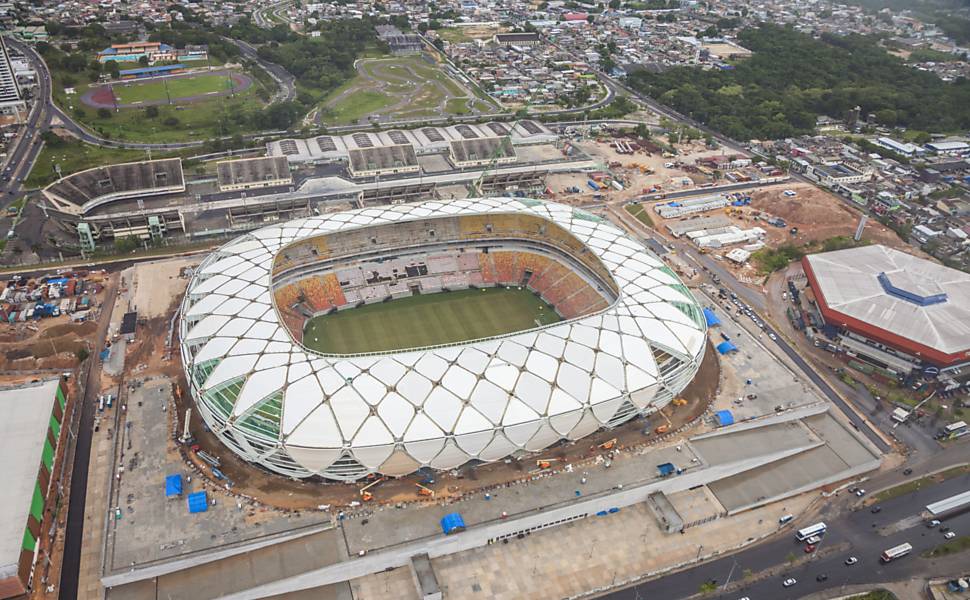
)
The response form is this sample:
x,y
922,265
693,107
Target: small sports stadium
x,y
165,84
387,339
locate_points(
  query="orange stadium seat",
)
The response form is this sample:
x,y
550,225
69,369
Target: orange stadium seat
x,y
504,267
488,269
333,291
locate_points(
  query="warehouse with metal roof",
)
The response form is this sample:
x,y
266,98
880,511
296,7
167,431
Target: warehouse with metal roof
x,y
31,431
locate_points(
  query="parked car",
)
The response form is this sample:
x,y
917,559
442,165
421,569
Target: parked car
x,y
860,492
809,548
875,509
789,582
933,523
821,577
949,535
851,561
813,540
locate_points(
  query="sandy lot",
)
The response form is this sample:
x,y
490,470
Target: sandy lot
x,y
639,172
156,283
817,214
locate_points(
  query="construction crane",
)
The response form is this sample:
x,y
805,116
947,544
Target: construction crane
x,y
424,491
365,495
493,159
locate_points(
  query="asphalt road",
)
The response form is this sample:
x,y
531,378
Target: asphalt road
x,y
859,533
74,532
283,78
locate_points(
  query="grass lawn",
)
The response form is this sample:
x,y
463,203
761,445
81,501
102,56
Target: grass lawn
x,y
199,120
356,106
457,106
424,85
73,156
641,214
957,544
178,87
427,320
912,486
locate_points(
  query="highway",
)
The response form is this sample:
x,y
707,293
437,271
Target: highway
x,y
283,78
859,533
27,146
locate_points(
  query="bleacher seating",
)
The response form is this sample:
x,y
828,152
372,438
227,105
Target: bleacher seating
x,y
287,296
337,279
505,267
487,268
123,181
531,263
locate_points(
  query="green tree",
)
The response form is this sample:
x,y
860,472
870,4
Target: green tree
x,y
143,61
151,112
126,244
104,113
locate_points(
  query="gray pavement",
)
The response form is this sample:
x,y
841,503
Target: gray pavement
x,y
153,528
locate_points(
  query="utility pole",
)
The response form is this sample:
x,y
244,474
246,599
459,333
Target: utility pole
x,y
734,564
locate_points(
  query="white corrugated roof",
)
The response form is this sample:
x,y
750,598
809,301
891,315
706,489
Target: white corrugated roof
x,y
849,282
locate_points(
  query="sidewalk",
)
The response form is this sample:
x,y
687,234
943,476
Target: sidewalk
x,y
580,558
96,508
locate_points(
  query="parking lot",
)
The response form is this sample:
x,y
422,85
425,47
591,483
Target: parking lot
x,y
755,381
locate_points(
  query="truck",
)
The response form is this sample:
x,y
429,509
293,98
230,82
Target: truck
x,y
593,185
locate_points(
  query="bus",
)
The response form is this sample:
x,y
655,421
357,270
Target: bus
x,y
955,428
896,552
817,529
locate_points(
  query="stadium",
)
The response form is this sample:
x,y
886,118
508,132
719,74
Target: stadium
x,y
897,312
387,339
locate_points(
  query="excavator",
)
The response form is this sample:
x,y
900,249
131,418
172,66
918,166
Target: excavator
x,y
545,463
608,444
424,491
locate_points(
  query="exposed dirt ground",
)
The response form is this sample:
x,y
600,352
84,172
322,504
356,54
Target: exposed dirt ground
x,y
639,171
817,214
45,344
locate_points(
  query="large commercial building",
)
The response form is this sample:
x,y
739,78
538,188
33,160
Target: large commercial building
x,y
11,99
896,311
631,337
31,430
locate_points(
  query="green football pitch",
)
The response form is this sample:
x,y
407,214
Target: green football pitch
x,y
178,87
427,320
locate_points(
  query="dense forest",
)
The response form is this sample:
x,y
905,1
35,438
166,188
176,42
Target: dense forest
x,y
323,63
793,77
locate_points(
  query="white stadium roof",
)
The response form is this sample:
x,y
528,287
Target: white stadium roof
x,y
393,412
911,297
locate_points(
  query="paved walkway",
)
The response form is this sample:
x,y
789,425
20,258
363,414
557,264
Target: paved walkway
x,y
99,470
579,558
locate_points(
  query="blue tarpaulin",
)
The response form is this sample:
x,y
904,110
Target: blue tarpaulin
x,y
711,318
173,485
452,523
725,347
724,417
198,502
